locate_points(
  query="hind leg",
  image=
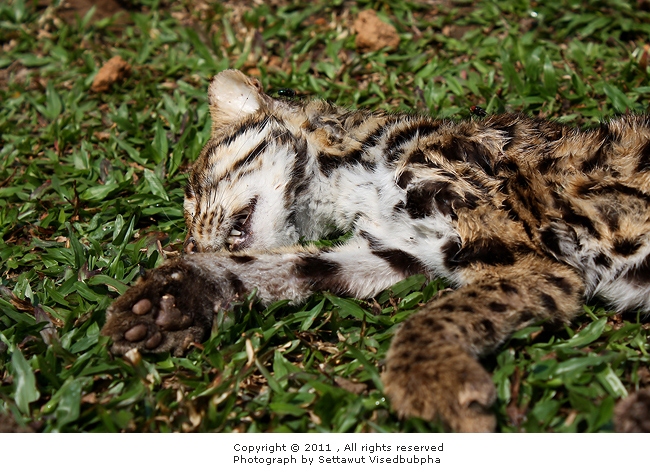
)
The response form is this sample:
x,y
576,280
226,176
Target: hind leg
x,y
432,368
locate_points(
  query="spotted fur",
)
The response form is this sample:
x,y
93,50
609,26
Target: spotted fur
x,y
527,218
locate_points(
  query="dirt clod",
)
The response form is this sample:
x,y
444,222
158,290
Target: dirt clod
x,y
114,70
373,34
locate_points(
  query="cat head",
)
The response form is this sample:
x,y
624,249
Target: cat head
x,y
241,189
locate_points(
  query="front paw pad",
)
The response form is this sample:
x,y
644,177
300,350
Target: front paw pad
x,y
159,314
169,318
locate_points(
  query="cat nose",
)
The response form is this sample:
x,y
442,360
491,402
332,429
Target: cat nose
x,y
189,246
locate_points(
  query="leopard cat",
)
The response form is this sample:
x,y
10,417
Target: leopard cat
x,y
526,218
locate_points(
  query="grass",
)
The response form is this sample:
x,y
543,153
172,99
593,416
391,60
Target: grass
x,y
91,192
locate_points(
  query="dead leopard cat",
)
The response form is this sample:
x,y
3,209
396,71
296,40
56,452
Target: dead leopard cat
x,y
527,218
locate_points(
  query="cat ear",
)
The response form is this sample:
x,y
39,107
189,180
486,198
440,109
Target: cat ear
x,y
233,96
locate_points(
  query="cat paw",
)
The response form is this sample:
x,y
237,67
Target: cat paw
x,y
448,384
166,310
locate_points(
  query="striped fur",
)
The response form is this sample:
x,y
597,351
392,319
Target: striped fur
x,y
527,218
